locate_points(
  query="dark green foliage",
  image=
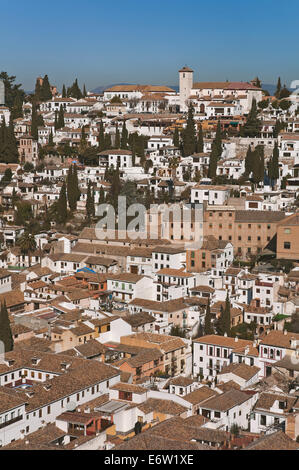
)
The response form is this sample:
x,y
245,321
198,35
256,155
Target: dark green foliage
x,y
273,168
217,143
60,119
176,138
177,331
223,324
252,126
36,121
63,91
200,142
45,91
13,92
278,88
293,325
73,191
213,163
117,138
23,214
8,144
90,209
189,134
124,137
27,244
208,328
285,104
5,330
101,137
244,331
74,91
62,205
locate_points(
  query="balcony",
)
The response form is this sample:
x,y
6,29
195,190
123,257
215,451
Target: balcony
x,y
11,421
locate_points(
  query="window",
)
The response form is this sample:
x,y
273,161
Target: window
x,y
287,245
263,420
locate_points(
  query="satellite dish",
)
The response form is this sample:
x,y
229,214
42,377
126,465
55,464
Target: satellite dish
x,y
71,406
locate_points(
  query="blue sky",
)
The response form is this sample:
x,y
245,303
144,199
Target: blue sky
x,y
134,41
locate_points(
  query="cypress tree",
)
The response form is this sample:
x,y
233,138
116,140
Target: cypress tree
x,y
223,325
278,88
60,120
124,137
56,121
74,91
51,142
107,141
70,189
5,330
45,91
63,91
17,110
200,142
176,138
189,135
213,162
273,168
101,137
102,195
218,141
248,161
84,91
117,138
252,126
90,209
34,122
62,205
76,182
208,329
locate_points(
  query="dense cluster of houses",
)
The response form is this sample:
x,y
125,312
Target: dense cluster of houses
x,y
110,349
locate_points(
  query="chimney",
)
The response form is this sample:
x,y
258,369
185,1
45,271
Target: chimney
x,y
225,335
236,339
285,332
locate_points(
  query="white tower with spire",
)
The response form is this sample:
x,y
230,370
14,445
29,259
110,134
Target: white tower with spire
x,y
186,85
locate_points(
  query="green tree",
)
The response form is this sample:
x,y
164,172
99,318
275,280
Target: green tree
x,y
124,137
218,140
273,169
27,244
101,138
74,91
208,328
223,324
278,88
90,209
45,90
5,330
62,205
117,138
60,120
189,135
200,141
213,163
63,94
252,126
176,138
12,90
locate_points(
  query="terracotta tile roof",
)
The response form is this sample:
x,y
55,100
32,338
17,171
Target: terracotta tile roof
x,y
275,441
224,341
226,401
199,395
242,370
279,338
